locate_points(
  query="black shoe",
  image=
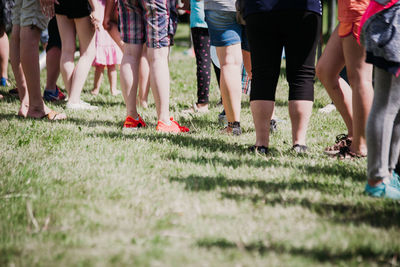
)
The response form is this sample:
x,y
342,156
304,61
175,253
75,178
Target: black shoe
x,y
235,126
300,149
259,149
13,92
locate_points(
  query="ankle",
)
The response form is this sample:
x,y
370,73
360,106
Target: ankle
x,y
374,183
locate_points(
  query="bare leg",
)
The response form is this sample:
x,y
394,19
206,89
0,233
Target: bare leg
x,y
247,62
144,79
98,77
85,32
230,58
17,69
129,77
160,81
68,36
300,113
360,78
29,48
328,68
112,78
4,52
52,67
262,111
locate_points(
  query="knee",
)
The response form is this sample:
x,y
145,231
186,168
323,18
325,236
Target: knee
x,y
320,71
359,83
67,52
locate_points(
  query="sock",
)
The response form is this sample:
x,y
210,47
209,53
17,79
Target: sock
x,y
51,90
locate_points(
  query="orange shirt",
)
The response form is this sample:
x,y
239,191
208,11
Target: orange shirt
x,y
351,10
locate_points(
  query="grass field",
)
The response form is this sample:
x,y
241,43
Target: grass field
x,y
82,193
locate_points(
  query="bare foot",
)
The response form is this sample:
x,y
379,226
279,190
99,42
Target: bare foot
x,y
143,104
95,91
115,92
197,108
1,97
23,110
38,112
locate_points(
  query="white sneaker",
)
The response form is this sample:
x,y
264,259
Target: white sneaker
x,y
327,109
82,105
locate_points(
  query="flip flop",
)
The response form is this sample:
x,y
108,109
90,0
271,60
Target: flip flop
x,y
54,116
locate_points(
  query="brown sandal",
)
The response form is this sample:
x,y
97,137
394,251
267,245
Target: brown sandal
x,y
342,140
345,153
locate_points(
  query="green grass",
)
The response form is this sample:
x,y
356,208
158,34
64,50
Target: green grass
x,y
82,193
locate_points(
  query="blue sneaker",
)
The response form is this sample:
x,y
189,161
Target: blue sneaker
x,y
3,81
395,180
53,96
384,190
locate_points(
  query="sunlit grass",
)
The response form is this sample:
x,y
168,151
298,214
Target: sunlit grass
x,y
80,192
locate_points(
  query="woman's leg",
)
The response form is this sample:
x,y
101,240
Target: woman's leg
x,y
303,29
67,31
230,58
360,78
383,127
266,51
98,78
328,68
112,78
144,78
85,32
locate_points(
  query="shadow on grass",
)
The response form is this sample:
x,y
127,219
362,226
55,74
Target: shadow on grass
x,y
338,168
78,122
94,123
272,192
184,140
9,116
319,253
106,103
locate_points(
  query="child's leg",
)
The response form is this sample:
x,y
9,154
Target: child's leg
x,y
201,43
67,30
98,77
129,76
160,81
4,52
144,79
112,78
86,32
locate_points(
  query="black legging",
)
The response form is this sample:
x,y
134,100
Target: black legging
x,y
296,30
201,44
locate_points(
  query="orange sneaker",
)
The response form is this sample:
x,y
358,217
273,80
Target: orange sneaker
x,y
132,124
174,127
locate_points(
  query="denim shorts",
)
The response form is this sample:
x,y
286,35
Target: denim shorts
x,y
223,28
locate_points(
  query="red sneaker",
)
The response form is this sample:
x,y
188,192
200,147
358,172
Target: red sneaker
x,y
132,124
174,127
